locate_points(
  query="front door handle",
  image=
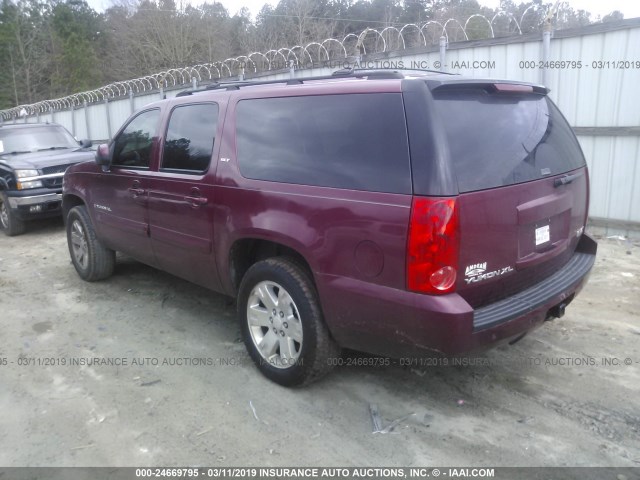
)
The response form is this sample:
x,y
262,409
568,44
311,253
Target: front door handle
x,y
196,201
135,189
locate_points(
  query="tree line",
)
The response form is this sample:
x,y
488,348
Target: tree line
x,y
52,48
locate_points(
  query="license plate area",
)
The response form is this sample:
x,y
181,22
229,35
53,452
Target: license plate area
x,y
542,235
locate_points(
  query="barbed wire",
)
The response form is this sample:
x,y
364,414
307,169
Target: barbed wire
x,y
370,40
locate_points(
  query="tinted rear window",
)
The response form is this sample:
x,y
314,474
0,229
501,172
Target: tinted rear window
x,y
498,139
356,141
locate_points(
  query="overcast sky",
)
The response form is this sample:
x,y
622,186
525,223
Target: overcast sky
x,y
630,8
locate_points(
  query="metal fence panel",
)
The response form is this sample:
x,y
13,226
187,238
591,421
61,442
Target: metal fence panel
x,y
142,100
599,97
96,118
119,111
615,176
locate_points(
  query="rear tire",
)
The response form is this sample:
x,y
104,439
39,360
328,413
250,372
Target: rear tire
x,y
9,222
91,259
282,323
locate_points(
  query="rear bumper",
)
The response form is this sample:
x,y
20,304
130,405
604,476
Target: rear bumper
x,y
535,297
397,323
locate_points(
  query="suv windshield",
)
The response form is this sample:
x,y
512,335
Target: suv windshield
x,y
32,139
498,139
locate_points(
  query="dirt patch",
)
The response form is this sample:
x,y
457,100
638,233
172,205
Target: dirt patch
x,y
146,369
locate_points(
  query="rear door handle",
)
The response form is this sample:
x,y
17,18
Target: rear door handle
x,y
567,179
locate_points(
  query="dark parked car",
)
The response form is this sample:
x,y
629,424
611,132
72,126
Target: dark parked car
x,y
33,159
394,213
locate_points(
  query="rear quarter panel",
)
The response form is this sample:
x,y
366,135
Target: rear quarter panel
x,y
341,233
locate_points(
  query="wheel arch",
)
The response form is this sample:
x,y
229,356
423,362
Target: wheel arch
x,y
245,252
68,202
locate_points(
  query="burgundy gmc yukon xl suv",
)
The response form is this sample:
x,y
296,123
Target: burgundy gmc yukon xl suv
x,y
397,213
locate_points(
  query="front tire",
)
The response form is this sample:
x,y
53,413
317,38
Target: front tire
x,y
9,222
282,323
91,259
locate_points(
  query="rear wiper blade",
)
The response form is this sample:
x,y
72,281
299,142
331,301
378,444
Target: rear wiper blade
x,y
53,148
558,182
17,152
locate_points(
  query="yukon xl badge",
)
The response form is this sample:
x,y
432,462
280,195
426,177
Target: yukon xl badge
x,y
102,207
478,272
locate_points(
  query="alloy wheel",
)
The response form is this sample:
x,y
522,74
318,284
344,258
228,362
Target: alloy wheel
x,y
274,324
79,244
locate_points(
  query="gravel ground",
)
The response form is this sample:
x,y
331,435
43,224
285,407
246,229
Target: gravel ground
x,y
561,396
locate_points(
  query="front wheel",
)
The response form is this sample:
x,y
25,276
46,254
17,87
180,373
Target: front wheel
x,y
92,260
9,221
282,324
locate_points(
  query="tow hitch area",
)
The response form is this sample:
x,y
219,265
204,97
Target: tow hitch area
x,y
557,311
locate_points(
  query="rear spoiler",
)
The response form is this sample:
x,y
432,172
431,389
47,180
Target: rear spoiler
x,y
490,86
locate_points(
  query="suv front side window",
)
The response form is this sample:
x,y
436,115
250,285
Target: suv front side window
x,y
190,138
133,146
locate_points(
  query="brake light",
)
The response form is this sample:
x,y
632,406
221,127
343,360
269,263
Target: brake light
x,y
432,247
513,88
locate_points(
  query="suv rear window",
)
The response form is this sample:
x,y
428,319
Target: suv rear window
x,y
498,139
353,141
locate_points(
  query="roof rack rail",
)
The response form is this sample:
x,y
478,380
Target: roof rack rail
x,y
370,74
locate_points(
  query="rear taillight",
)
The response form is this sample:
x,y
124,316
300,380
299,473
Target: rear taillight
x,y
432,248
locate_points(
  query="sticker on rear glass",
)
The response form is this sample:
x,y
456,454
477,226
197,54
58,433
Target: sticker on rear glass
x,y
542,235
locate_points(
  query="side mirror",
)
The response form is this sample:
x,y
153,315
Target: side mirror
x,y
103,157
86,143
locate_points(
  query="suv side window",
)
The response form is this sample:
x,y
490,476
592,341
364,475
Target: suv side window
x,y
132,148
353,141
190,138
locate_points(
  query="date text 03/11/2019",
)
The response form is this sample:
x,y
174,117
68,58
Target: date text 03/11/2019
x,y
314,472
579,64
